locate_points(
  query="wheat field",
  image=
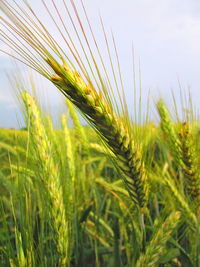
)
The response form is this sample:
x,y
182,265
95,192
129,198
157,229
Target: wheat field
x,y
114,192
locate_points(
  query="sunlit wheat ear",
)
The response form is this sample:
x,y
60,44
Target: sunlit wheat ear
x,y
182,204
113,132
49,177
190,167
157,245
170,135
93,99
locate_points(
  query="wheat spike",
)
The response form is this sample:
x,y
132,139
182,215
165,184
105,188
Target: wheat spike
x,y
112,130
190,168
157,245
49,178
183,205
170,134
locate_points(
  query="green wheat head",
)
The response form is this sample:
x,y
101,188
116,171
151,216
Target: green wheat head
x,y
157,245
50,178
190,167
170,134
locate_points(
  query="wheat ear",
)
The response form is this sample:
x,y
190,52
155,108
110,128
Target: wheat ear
x,y
190,168
49,177
183,205
113,132
157,245
170,134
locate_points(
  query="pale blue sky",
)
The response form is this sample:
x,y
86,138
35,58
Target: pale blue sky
x,y
166,38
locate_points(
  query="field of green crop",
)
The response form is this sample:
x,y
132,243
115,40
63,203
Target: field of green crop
x,y
64,203
119,192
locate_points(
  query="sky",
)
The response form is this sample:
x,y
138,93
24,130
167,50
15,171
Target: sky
x,y
166,39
